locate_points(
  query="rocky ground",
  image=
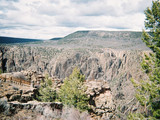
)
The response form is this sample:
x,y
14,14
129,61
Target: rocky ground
x,y
16,100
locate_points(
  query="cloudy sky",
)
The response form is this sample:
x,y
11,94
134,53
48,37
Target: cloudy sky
x,y
55,18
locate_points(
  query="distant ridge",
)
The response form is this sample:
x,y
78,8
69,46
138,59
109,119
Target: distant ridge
x,y
104,34
122,40
8,40
58,38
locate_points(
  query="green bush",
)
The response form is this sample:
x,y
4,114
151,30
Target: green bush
x,y
72,92
1,71
46,91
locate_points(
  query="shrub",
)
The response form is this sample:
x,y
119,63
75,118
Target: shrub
x,y
72,92
4,106
46,91
0,71
71,113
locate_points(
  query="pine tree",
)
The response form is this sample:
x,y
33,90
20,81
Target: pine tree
x,y
148,91
72,92
46,91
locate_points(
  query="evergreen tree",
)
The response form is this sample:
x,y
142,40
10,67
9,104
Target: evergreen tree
x,y
148,91
72,92
46,91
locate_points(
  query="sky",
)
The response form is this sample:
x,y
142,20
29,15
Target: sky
x,y
45,19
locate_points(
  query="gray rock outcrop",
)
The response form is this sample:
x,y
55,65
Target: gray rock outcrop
x,y
101,100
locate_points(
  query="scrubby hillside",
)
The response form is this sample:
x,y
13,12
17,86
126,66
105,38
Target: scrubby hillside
x,y
9,40
105,39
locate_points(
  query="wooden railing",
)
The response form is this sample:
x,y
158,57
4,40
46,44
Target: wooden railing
x,y
20,81
15,80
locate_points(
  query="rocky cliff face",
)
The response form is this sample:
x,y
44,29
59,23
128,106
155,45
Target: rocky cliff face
x,y
94,63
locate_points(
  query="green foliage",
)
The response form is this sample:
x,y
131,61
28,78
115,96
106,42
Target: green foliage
x,y
152,38
72,92
146,66
137,116
148,91
0,71
46,91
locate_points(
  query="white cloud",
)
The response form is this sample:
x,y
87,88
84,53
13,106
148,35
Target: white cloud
x,y
54,18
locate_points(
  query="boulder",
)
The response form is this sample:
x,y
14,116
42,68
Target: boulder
x,y
101,100
25,98
15,97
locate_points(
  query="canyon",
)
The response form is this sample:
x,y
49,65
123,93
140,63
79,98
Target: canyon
x,y
108,59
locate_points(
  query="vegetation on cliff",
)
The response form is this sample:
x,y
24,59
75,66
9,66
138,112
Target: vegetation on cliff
x,y
47,93
148,91
72,92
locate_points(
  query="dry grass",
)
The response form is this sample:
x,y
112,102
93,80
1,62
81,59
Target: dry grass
x,y
74,114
